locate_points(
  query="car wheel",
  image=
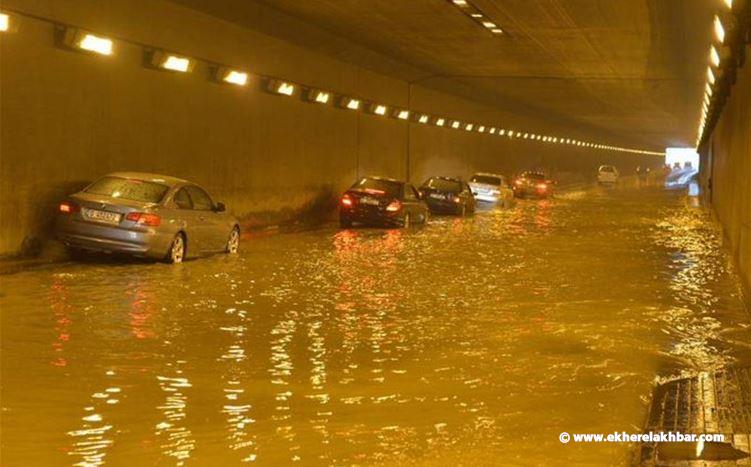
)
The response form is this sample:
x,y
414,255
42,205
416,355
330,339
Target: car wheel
x,y
176,252
233,242
406,220
345,223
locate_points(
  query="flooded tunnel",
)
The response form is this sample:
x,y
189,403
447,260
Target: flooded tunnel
x,y
439,232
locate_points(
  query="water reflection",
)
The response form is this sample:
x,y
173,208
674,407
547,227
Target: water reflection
x,y
174,435
472,340
237,406
61,310
93,437
694,270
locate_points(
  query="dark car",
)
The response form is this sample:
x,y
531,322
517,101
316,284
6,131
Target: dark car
x,y
534,184
382,202
446,195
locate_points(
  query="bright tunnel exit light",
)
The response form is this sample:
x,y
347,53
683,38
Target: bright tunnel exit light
x,y
4,22
96,44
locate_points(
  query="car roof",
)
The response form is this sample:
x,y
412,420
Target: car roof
x,y
487,174
451,179
383,179
149,177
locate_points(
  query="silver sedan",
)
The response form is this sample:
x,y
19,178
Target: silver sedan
x,y
146,215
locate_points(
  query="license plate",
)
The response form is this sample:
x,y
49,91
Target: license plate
x,y
102,216
437,196
369,201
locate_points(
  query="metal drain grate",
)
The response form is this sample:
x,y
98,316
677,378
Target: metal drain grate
x,y
709,402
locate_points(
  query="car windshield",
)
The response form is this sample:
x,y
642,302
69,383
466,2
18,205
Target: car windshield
x,y
442,184
534,175
486,179
376,186
128,188
606,168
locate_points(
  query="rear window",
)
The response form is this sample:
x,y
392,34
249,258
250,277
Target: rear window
x,y
486,179
128,188
444,185
534,175
375,186
606,168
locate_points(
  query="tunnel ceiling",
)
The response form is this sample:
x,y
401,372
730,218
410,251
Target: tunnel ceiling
x,y
630,70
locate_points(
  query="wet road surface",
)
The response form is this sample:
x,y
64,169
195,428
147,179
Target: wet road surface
x,y
472,340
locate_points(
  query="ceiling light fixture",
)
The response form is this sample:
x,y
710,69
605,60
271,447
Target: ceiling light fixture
x,y
719,30
714,57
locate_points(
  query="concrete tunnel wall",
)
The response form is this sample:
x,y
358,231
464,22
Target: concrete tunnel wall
x,y
726,160
67,118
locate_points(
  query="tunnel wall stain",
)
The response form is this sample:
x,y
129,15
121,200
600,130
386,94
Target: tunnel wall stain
x,y
67,118
726,161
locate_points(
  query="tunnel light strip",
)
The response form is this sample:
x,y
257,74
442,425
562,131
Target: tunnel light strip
x,y
477,16
161,59
714,78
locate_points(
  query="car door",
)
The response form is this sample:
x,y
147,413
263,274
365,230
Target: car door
x,y
507,193
468,196
206,222
181,211
412,201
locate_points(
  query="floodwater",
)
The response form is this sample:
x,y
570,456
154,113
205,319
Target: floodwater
x,y
470,341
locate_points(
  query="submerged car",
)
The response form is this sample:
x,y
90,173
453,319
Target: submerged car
x,y
607,174
534,184
491,188
446,195
382,202
146,215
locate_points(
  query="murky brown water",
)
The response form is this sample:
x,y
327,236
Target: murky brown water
x,y
473,341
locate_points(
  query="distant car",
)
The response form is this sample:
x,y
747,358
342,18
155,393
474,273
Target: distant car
x,y
534,184
146,215
491,188
382,202
607,174
446,195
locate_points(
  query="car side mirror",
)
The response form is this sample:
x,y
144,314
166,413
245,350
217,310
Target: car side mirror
x,y
220,207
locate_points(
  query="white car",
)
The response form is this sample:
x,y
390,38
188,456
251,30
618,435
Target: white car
x,y
607,174
491,188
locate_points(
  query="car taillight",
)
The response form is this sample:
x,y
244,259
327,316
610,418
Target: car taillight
x,y
144,218
456,199
66,207
518,183
394,206
347,201
542,186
